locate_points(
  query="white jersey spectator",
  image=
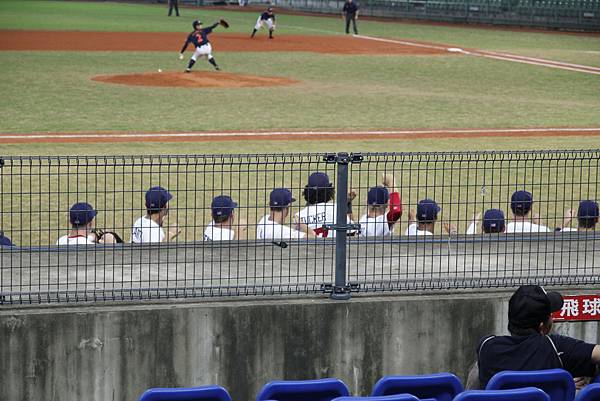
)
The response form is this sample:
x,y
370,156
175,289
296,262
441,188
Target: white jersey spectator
x,y
272,225
223,214
319,195
75,240
374,226
216,233
383,210
526,227
81,218
145,230
521,203
413,229
149,228
493,222
423,221
269,229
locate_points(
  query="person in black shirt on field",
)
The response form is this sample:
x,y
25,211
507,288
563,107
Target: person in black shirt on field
x,y
530,345
199,37
267,19
173,4
350,13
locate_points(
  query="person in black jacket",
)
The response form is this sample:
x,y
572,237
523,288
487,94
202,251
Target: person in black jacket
x,y
350,13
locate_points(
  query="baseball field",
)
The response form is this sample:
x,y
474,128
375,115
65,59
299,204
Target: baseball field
x,y
83,78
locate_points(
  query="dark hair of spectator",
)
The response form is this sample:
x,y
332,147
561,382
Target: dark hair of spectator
x,y
524,331
378,208
314,195
220,219
587,222
78,226
521,212
279,208
153,210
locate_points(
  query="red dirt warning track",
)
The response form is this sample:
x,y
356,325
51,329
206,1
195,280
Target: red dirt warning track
x,y
120,136
172,41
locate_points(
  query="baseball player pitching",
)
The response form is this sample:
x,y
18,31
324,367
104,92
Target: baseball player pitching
x,y
267,19
199,37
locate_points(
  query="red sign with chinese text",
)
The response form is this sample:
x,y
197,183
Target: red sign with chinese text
x,y
578,308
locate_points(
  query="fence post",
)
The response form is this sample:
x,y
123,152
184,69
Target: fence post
x,y
341,289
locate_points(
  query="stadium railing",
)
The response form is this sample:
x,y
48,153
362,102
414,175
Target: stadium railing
x,y
36,194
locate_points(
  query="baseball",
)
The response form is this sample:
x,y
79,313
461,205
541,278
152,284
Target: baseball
x,y
159,70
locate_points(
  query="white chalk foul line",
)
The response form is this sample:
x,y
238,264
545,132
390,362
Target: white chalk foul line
x,y
291,133
498,56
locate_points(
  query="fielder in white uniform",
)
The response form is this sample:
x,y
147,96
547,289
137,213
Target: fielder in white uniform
x,y
149,228
223,214
271,226
267,19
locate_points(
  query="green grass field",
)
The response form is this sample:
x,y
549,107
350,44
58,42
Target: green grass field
x,y
52,91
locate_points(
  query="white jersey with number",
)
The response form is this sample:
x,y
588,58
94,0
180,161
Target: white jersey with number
x,y
314,216
75,240
525,227
146,230
374,226
215,233
268,229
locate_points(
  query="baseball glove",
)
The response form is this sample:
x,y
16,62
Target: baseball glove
x,y
224,23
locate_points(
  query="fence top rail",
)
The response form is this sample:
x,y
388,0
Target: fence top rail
x,y
290,157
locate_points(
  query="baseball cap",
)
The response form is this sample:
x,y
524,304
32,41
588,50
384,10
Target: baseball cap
x,y
530,305
222,205
521,201
81,213
427,210
378,196
588,209
281,197
318,179
493,221
157,198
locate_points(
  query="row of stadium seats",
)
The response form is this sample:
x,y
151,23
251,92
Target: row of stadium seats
x,y
500,5
543,385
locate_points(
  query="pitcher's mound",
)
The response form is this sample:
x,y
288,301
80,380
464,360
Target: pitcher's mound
x,y
195,79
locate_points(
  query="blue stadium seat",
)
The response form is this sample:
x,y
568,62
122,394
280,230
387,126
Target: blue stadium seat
x,y
204,393
521,394
557,383
395,397
591,392
440,386
302,390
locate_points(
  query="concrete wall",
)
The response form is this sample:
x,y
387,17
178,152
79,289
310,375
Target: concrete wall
x,y
115,352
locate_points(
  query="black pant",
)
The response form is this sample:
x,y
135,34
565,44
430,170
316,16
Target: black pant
x,y
350,17
173,4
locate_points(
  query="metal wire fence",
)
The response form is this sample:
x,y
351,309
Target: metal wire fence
x,y
389,240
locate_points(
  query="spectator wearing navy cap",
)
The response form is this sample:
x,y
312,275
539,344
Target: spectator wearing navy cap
x,y
321,209
149,228
81,219
530,346
493,222
384,208
221,228
587,217
423,221
521,203
272,226
4,240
